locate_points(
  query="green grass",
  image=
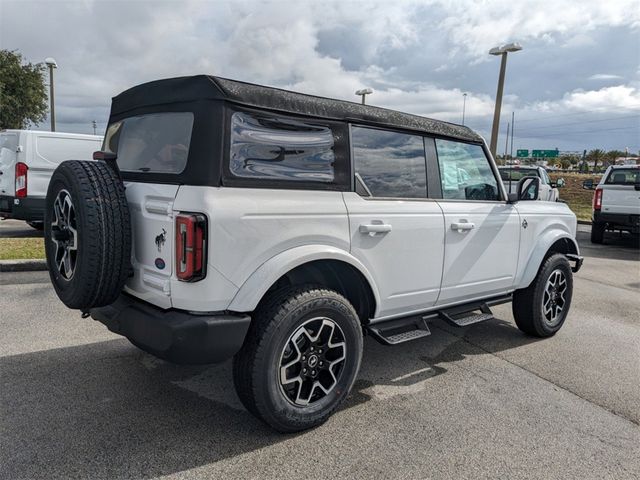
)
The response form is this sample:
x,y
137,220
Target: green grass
x,y
578,199
21,248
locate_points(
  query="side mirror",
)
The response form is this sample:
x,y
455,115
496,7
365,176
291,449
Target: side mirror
x,y
512,198
560,183
528,188
588,184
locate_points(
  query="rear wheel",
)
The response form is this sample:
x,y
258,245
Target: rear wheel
x,y
300,358
597,232
541,308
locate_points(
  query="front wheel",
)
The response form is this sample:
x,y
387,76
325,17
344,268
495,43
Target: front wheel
x,y
300,358
541,308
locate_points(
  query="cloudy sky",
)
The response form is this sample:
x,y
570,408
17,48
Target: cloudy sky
x,y
575,85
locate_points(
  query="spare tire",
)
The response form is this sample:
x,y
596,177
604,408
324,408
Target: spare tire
x,y
87,234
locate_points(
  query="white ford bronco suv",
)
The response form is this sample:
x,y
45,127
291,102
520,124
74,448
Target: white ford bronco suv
x,y
227,219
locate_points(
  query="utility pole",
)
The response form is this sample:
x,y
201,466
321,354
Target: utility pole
x,y
506,145
51,63
94,125
464,105
512,129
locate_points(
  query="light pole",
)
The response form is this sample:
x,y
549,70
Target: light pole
x,y
363,92
51,63
94,125
464,105
501,50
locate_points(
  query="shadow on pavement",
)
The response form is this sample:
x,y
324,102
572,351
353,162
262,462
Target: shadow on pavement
x,y
617,246
109,410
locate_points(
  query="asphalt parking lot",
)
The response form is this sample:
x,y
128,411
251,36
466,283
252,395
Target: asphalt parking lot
x,y
483,402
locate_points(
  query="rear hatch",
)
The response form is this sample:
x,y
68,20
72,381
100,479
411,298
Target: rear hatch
x,y
621,191
8,158
151,147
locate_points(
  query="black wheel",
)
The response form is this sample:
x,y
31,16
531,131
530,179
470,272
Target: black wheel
x,y
300,358
87,234
37,225
597,232
541,308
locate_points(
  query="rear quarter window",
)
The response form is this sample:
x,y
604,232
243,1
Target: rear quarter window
x,y
271,147
156,142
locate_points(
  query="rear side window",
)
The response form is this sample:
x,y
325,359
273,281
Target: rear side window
x,y
623,176
465,172
388,164
270,147
516,174
157,142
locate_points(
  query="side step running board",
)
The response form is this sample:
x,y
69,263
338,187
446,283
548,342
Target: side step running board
x,y
462,317
400,331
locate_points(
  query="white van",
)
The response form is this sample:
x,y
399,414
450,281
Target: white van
x,y
27,160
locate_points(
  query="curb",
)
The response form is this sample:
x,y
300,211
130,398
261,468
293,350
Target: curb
x,y
23,265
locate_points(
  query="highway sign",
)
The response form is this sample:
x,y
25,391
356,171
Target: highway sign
x,y
544,153
522,153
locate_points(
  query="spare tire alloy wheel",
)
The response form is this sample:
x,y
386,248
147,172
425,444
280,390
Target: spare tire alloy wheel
x,y
64,234
312,361
87,234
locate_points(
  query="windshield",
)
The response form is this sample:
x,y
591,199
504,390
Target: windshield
x,y
515,174
623,176
157,142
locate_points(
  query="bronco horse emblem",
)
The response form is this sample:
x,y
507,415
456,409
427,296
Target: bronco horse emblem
x,y
160,239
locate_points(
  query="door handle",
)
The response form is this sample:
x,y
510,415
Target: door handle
x,y
375,228
462,226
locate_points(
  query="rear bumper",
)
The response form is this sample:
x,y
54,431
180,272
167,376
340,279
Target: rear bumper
x,y
618,220
28,209
175,335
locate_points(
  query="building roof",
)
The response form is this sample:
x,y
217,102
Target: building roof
x,y
205,87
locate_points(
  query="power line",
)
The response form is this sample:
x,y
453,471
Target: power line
x,y
586,121
600,109
545,135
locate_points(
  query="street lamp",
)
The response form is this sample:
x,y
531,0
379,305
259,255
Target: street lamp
x,y
464,105
501,50
51,63
363,92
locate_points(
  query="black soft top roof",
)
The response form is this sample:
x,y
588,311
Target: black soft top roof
x,y
205,87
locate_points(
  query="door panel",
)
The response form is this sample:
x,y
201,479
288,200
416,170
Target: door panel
x,y
481,250
401,244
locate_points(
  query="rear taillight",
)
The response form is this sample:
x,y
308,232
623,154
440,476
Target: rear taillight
x,y
191,238
21,179
597,199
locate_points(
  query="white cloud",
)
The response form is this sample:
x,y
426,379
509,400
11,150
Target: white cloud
x,y
604,76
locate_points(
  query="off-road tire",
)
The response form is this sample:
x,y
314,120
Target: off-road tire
x,y
256,365
102,261
527,305
597,232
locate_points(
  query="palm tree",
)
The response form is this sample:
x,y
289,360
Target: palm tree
x,y
595,156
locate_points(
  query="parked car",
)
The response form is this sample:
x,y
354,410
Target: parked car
x,y
279,228
27,161
511,175
616,201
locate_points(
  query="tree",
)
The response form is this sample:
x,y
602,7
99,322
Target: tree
x,y
23,94
596,155
568,159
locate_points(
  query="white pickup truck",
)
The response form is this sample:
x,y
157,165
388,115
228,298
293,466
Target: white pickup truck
x,y
616,201
548,191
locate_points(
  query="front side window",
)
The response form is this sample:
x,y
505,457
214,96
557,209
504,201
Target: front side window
x,y
465,172
157,142
276,148
388,164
